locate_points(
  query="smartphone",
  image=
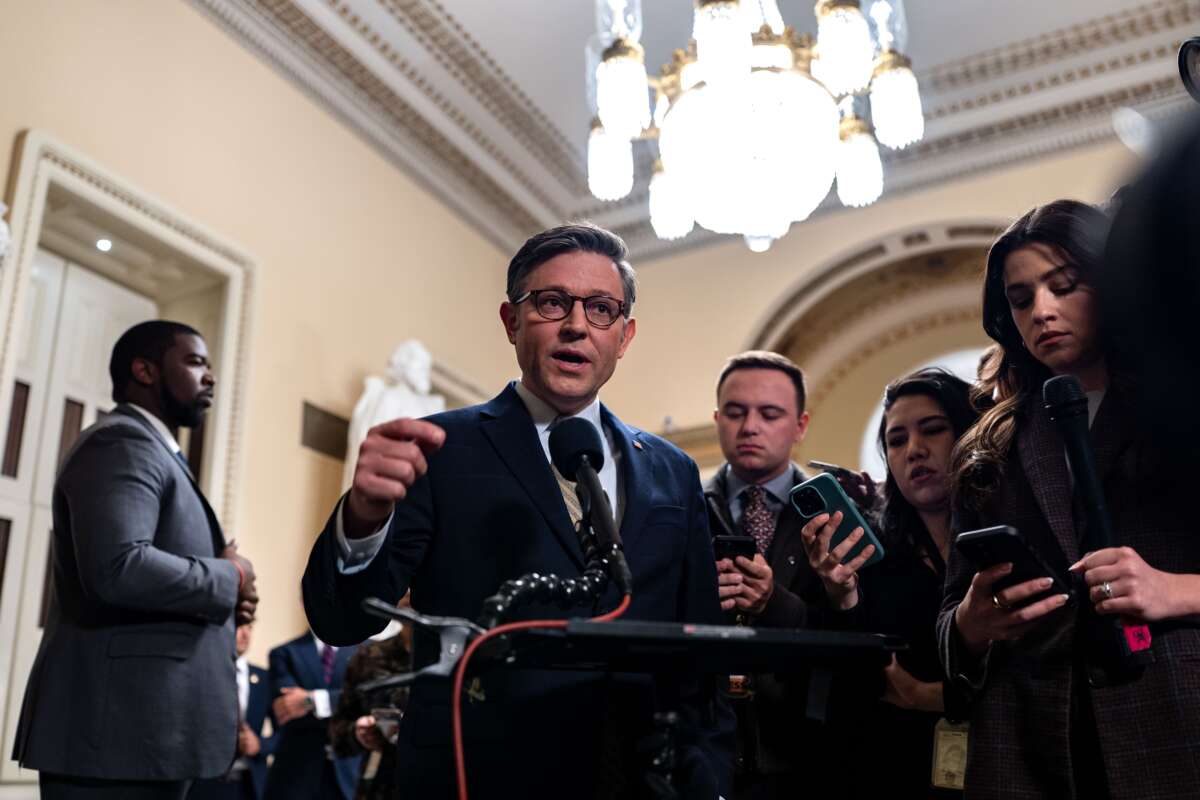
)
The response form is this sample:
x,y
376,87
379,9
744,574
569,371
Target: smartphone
x,y
822,494
733,546
833,469
1003,543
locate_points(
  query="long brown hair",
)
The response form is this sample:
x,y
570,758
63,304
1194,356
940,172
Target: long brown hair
x,y
1009,375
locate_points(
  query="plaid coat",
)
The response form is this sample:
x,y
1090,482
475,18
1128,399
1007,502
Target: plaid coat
x,y
1149,729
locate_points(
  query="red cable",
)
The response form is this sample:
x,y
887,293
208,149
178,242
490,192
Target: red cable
x,y
460,763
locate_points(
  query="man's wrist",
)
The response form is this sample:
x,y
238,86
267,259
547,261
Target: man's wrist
x,y
356,525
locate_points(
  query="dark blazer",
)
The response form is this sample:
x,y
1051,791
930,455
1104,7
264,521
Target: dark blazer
x,y
489,509
252,782
134,678
776,735
258,711
1149,730
302,745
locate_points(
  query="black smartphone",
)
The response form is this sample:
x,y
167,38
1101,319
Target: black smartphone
x,y
833,469
733,546
1004,544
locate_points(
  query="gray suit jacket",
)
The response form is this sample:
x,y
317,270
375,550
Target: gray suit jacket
x,y
135,675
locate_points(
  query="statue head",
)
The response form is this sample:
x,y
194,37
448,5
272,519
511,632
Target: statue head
x,y
411,365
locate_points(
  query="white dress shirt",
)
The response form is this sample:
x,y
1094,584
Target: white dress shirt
x,y
357,554
159,426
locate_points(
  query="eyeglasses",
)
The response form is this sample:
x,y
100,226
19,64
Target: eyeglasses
x,y
600,310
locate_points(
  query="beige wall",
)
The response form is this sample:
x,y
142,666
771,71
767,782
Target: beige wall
x,y
697,308
353,256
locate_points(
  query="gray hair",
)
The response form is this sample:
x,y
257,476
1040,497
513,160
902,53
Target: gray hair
x,y
575,237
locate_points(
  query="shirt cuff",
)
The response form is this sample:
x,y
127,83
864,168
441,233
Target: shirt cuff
x,y
355,555
320,699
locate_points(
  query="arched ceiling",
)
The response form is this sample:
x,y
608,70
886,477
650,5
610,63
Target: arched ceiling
x,y
483,102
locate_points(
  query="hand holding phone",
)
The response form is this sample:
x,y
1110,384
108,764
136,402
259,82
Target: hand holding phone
x,y
1012,591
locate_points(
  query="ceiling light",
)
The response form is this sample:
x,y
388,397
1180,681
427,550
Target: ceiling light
x,y
104,245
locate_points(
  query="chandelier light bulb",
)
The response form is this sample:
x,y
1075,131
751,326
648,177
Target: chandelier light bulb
x,y
670,215
896,103
758,244
622,101
859,169
722,41
610,164
844,47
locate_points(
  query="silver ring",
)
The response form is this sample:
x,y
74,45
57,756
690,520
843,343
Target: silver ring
x,y
1106,590
1001,606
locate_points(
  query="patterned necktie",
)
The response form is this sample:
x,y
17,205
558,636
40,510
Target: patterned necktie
x,y
327,656
574,509
757,520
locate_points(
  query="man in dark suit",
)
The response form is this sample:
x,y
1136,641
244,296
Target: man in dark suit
x,y
760,416
247,776
458,503
306,679
133,691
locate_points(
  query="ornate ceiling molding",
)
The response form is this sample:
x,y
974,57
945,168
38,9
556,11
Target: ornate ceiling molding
x,y
454,118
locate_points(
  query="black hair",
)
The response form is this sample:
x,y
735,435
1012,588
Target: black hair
x,y
148,340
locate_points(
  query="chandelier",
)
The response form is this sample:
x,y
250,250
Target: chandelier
x,y
754,122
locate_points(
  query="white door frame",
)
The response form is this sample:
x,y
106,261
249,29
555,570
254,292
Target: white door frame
x,y
41,163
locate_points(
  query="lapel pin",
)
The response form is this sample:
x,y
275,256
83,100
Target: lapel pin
x,y
637,444
254,679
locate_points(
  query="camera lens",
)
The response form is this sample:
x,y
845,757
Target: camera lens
x,y
1189,66
809,502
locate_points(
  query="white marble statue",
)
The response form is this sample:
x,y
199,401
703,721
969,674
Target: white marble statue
x,y
404,392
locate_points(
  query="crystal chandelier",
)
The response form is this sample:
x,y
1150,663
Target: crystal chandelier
x,y
754,122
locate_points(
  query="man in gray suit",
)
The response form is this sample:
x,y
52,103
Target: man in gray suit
x,y
134,691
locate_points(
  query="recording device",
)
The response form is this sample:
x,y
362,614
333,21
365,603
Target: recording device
x,y
833,469
733,546
822,494
577,453
1002,544
1124,646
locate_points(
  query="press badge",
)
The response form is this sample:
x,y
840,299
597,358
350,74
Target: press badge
x,y
949,754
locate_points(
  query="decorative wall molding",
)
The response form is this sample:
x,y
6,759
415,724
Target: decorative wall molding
x,y
1033,97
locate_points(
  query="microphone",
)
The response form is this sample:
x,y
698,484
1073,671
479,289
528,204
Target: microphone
x,y
577,453
1067,405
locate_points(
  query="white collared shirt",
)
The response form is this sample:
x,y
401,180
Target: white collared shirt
x,y
357,554
159,426
243,684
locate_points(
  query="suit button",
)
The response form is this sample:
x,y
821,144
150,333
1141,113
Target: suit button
x,y
791,561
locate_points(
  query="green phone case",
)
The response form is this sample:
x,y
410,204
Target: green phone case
x,y
832,499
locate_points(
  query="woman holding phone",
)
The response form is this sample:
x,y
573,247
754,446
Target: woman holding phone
x,y
1046,720
924,414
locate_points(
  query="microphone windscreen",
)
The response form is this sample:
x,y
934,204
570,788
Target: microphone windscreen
x,y
1062,390
570,441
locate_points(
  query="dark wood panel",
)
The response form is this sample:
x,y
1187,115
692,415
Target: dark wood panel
x,y
47,583
16,430
72,426
5,531
324,431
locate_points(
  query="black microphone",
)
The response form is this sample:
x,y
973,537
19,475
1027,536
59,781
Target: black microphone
x,y
1067,406
577,453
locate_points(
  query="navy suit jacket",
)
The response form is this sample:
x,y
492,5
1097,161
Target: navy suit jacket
x,y
258,710
488,510
301,745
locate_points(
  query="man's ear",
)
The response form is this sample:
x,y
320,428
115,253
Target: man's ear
x,y
802,425
510,316
144,371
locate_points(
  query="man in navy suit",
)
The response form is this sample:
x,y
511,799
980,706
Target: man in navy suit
x,y
454,505
247,776
306,679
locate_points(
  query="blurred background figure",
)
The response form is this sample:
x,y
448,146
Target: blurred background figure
x,y
366,724
403,392
306,681
247,778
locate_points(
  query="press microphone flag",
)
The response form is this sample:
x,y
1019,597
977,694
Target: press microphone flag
x,y
1067,406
